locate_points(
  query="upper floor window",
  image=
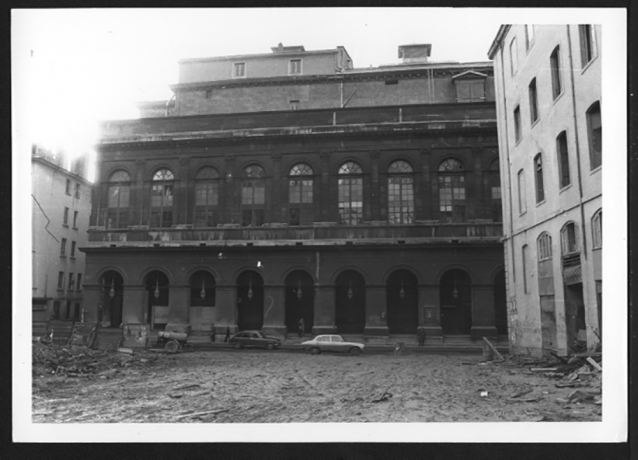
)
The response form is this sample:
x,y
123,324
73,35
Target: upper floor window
x,y
554,65
71,282
538,176
75,219
529,36
63,247
162,198
300,199
525,260
597,229
563,159
76,192
67,189
400,193
78,285
65,220
587,45
452,190
522,197
239,69
533,101
253,196
350,193
517,124
206,196
595,134
72,248
294,67
569,239
513,56
119,190
544,247
60,280
470,86
495,183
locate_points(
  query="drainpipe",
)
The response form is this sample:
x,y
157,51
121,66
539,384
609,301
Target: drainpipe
x,y
168,103
580,183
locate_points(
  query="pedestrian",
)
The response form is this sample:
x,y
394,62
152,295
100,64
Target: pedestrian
x,y
227,334
213,333
301,327
421,336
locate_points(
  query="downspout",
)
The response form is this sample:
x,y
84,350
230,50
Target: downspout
x,y
580,183
168,103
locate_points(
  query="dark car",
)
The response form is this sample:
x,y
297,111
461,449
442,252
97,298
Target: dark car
x,y
254,339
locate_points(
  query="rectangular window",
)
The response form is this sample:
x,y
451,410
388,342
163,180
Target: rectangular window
x,y
239,69
351,201
71,281
470,90
525,257
533,101
452,198
400,200
554,65
60,280
514,56
72,248
597,230
294,67
209,93
563,159
65,220
67,190
75,219
78,286
529,36
595,134
77,190
63,247
538,174
522,197
252,217
586,44
517,124
294,105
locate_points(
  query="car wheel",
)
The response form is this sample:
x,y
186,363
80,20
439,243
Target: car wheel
x,y
237,346
355,351
270,346
315,351
171,346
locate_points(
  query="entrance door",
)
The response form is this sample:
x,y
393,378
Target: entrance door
x,y
157,287
250,301
402,302
456,303
113,296
300,301
350,315
500,303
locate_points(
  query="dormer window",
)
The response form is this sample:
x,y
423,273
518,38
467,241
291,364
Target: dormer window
x,y
239,70
470,86
294,67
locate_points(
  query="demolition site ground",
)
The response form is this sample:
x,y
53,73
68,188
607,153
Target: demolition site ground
x,y
77,385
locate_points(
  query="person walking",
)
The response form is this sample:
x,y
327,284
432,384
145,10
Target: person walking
x,y
227,334
302,326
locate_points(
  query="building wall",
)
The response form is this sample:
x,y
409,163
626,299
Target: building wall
x,y
577,202
49,200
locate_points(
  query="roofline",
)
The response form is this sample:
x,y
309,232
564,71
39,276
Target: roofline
x,y
60,169
502,31
260,55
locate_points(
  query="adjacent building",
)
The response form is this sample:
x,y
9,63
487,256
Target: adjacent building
x,y
548,87
61,206
291,185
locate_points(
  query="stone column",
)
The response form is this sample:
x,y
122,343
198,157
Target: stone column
x,y
422,190
430,311
326,192
475,189
483,317
376,311
138,214
274,310
228,191
135,304
324,322
375,189
275,203
178,303
92,297
181,192
226,305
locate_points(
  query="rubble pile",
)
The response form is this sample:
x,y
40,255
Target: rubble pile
x,y
80,361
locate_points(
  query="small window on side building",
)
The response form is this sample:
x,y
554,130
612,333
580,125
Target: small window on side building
x,y
587,51
294,67
533,101
239,69
514,56
554,65
538,175
67,189
517,124
65,220
563,159
595,134
529,36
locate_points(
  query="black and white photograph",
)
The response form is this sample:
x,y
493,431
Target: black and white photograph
x,y
348,224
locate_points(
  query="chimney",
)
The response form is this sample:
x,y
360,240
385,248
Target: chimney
x,y
414,53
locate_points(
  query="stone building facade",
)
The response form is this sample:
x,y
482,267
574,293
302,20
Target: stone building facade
x,y
548,86
372,206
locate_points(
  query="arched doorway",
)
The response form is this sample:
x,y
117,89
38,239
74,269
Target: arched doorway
x,y
456,303
202,301
500,303
350,292
157,288
112,298
300,301
402,302
250,301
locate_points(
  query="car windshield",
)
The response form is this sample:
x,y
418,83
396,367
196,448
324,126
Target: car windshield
x,y
336,338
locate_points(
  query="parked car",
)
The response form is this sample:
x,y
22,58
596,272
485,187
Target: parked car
x,y
334,343
254,339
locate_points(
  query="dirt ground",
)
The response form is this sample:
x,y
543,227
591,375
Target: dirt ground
x,y
243,386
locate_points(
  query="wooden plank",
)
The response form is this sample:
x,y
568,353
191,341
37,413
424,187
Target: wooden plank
x,y
493,348
594,363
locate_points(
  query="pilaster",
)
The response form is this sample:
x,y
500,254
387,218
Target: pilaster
x,y
430,311
376,314
483,317
324,322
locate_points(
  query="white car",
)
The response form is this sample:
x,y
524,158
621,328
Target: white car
x,y
333,343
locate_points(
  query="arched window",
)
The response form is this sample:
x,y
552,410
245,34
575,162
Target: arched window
x,y
538,178
495,183
162,198
544,247
300,183
253,196
452,190
569,239
400,193
206,197
350,193
597,229
595,134
119,190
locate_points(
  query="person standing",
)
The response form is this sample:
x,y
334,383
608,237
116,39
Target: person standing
x,y
421,336
302,326
227,334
